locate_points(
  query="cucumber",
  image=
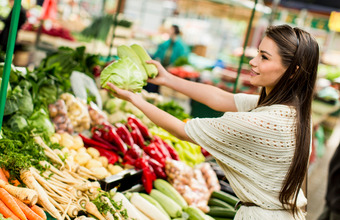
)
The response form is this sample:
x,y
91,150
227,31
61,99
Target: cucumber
x,y
231,200
195,213
221,212
166,188
220,203
169,205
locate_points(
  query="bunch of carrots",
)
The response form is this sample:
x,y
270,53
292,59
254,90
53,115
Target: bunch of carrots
x,y
18,203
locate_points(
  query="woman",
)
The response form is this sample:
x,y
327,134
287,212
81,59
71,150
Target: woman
x,y
262,143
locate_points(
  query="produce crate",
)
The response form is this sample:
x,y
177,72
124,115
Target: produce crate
x,y
124,180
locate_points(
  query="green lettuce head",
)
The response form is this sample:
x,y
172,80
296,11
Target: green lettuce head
x,y
123,73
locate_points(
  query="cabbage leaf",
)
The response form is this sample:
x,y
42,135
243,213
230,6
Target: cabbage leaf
x,y
123,73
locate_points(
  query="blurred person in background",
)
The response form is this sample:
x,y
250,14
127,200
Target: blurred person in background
x,y
332,207
7,21
169,51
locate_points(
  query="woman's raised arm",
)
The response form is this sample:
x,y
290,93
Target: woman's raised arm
x,y
211,96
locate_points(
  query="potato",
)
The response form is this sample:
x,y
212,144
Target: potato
x,y
82,150
100,172
78,142
82,158
93,163
104,161
93,152
66,140
55,138
114,169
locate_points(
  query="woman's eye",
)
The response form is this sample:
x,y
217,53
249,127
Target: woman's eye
x,y
264,57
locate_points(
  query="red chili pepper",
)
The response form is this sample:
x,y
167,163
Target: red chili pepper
x,y
92,143
124,134
135,151
157,167
153,152
137,135
148,178
96,136
110,155
148,173
106,132
114,137
128,159
204,152
172,151
143,129
159,143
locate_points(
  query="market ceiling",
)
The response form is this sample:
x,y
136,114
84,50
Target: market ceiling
x,y
325,6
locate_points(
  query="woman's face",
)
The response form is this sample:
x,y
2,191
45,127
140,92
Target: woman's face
x,y
266,67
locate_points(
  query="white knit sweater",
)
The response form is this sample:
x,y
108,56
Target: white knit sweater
x,y
255,149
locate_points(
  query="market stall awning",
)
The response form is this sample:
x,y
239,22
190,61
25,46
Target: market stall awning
x,y
324,6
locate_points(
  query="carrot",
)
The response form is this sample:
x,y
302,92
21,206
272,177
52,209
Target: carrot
x,y
11,204
30,214
3,176
39,211
15,182
7,212
26,195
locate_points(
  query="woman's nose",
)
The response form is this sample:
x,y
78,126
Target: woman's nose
x,y
252,62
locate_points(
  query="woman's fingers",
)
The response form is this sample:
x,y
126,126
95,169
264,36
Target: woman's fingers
x,y
119,93
157,64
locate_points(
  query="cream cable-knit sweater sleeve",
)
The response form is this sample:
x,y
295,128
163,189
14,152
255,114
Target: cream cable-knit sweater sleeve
x,y
255,150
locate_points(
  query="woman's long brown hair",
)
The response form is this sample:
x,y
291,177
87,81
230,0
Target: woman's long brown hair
x,y
299,52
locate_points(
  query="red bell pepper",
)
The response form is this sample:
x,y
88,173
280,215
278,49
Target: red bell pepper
x,y
172,151
143,129
110,155
153,152
157,167
94,143
137,135
159,143
124,134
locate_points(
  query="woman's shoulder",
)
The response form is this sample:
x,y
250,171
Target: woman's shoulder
x,y
278,110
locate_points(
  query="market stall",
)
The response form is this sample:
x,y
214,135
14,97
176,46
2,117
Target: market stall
x,y
69,149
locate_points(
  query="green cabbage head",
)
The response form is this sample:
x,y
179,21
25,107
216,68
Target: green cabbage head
x,y
123,73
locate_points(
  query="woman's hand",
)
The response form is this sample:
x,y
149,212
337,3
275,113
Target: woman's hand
x,y
121,93
163,75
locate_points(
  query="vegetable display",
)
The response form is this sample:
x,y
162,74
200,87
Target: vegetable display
x,y
57,151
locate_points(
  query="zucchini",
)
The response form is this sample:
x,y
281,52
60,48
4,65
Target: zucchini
x,y
195,213
154,202
166,188
231,200
169,205
220,203
221,212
